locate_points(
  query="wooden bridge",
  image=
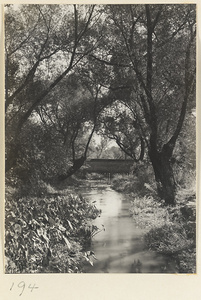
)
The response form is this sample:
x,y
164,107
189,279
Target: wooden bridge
x,y
110,166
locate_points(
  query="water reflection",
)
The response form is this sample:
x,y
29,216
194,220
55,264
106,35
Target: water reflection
x,y
120,248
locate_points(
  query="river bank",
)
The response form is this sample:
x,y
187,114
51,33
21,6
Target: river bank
x,y
169,230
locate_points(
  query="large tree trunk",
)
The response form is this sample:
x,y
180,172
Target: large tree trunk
x,y
164,175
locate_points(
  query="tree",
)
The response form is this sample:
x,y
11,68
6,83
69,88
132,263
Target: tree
x,y
120,124
44,44
157,44
72,119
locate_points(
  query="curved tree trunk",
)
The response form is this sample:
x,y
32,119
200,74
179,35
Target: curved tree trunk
x,y
78,163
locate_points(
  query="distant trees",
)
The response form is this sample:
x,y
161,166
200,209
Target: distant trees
x,y
119,123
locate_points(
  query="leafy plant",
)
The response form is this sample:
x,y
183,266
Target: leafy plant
x,y
47,234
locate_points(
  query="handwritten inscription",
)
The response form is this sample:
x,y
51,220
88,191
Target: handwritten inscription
x,y
22,286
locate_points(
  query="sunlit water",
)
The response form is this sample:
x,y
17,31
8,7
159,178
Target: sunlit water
x,y
120,247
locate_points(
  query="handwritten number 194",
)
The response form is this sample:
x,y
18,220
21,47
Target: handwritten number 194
x,y
21,285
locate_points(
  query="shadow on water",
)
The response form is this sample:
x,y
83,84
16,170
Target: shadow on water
x,y
120,247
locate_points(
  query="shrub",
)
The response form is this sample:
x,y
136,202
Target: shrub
x,y
169,230
96,176
174,240
137,182
168,239
119,182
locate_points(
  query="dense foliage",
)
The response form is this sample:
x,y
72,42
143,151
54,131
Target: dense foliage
x,y
49,233
125,72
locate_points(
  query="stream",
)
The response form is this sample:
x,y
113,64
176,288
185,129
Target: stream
x,y
119,247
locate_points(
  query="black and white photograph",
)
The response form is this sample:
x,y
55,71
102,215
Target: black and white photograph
x,y
100,138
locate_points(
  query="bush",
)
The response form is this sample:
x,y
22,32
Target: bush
x,y
169,230
96,176
174,240
168,239
119,182
47,234
137,182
